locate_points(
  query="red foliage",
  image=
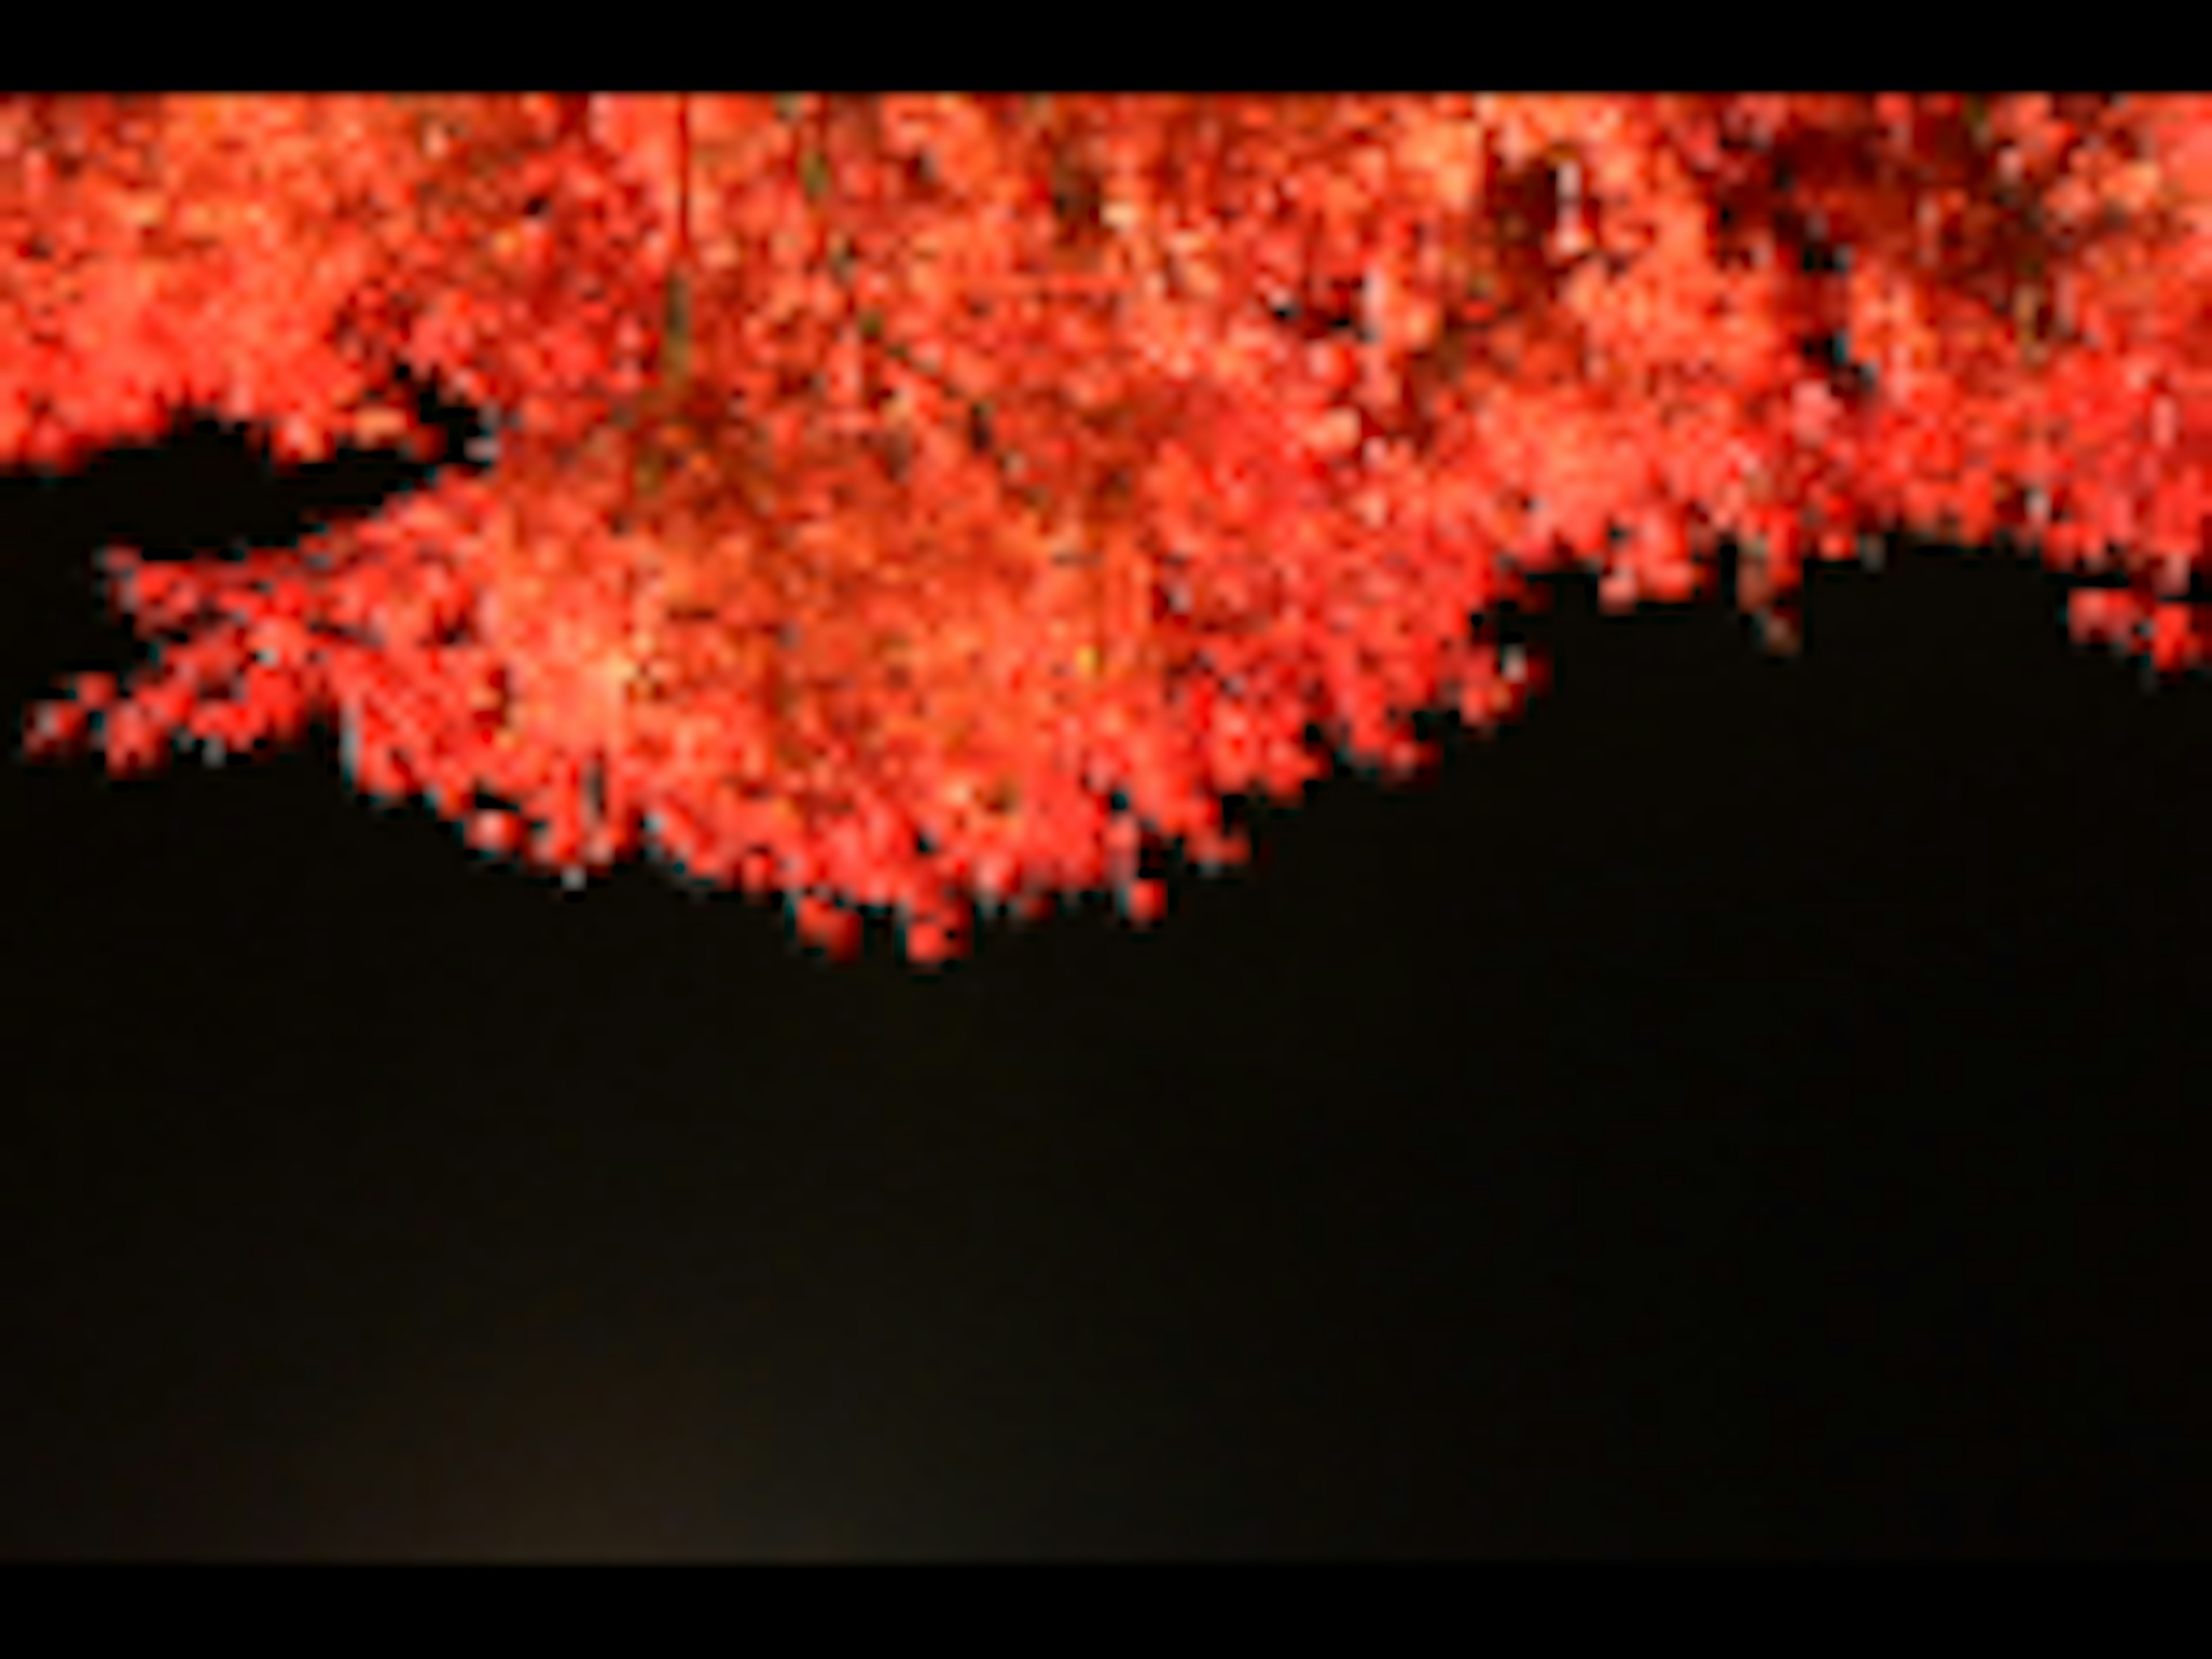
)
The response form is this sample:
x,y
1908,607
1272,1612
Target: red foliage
x,y
898,479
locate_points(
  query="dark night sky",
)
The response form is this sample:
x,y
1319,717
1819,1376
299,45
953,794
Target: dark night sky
x,y
1747,1107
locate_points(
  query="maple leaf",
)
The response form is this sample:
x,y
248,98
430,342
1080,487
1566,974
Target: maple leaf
x,y
909,498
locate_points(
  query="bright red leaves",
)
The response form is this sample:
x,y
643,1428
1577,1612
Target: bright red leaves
x,y
896,480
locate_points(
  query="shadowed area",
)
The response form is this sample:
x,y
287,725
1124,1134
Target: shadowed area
x,y
1742,1107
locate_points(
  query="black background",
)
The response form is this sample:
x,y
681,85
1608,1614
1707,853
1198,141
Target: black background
x,y
1749,1105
